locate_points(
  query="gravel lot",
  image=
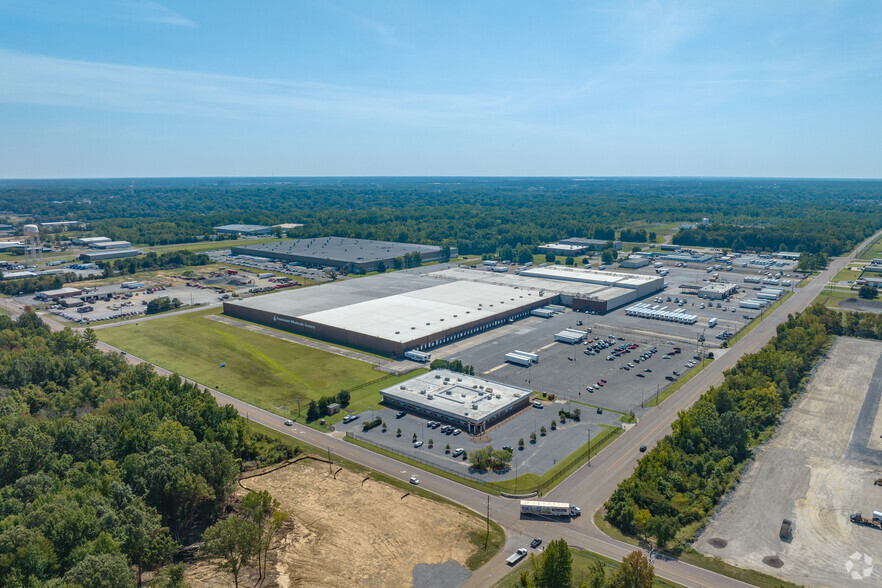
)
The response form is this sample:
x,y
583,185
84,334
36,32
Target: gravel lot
x,y
803,474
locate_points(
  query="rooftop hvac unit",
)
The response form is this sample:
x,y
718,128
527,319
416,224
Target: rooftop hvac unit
x,y
459,379
449,392
437,376
430,396
474,406
463,395
499,396
402,387
422,391
489,389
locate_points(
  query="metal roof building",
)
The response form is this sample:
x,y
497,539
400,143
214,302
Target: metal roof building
x,y
108,244
340,252
89,240
109,254
468,402
244,229
391,314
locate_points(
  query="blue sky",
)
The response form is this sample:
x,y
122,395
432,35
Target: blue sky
x,y
101,88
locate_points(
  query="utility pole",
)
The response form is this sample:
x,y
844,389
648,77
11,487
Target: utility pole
x,y
589,446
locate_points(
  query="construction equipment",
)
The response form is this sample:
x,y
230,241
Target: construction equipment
x,y
878,482
875,522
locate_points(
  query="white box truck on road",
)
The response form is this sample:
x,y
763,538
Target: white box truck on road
x,y
552,509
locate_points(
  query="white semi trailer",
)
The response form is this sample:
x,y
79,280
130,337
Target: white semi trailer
x,y
552,509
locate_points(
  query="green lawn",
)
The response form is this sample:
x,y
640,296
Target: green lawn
x,y
846,274
833,296
872,250
581,561
262,370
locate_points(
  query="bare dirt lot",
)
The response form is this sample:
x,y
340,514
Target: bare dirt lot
x,y
345,532
802,474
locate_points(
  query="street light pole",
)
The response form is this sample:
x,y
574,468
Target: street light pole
x,y
589,446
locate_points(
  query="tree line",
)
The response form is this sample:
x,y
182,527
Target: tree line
x,y
106,469
476,215
680,481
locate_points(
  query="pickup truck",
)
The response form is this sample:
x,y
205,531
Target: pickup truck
x,y
516,556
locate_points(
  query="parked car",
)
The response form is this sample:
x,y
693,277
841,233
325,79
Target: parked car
x,y
535,542
417,443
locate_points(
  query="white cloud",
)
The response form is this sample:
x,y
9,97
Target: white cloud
x,y
51,81
154,12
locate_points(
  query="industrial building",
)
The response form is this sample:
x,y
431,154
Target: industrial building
x,y
717,290
87,241
243,230
635,262
349,255
577,246
108,244
391,314
467,402
109,254
57,294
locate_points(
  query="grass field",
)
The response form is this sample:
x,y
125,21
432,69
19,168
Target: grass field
x,y
261,370
691,556
581,561
847,274
833,296
874,249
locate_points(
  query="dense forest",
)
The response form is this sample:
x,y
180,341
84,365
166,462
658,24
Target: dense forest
x,y
106,469
477,215
680,482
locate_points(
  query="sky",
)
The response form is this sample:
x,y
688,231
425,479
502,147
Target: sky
x,y
140,88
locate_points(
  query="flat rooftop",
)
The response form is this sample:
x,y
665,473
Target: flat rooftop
x,y
421,313
470,397
574,274
337,249
243,228
544,285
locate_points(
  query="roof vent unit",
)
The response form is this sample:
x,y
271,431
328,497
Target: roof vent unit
x,y
474,406
449,392
462,395
459,379
499,396
402,387
422,391
474,385
430,396
489,389
437,376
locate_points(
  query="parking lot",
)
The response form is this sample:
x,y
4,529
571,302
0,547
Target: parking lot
x,y
567,370
262,264
536,457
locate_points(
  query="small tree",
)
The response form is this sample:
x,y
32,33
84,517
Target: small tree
x,y
542,431
577,414
532,437
465,455
570,261
312,413
414,437
447,448
553,424
521,443
431,443
381,267
384,427
557,565
398,432
635,571
233,542
868,292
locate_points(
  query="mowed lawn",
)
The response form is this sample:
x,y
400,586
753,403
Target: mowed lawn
x,y
262,370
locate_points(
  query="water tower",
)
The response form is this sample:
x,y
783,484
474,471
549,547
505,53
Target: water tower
x,y
33,245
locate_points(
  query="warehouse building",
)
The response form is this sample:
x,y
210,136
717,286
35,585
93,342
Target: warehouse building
x,y
391,314
635,262
109,254
467,402
348,255
88,241
58,294
108,244
243,230
577,246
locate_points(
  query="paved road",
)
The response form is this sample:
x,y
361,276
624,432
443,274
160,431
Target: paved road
x,y
590,486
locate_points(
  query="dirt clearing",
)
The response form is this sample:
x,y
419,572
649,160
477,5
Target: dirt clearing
x,y
803,475
348,531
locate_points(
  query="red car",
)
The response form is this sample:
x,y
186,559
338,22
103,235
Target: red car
x,y
603,380
600,383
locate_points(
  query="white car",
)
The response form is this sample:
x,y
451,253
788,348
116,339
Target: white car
x,y
417,443
414,480
456,431
457,452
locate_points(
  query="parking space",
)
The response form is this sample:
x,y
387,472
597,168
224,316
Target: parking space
x,y
536,457
263,264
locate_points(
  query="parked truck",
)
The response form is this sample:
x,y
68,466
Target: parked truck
x,y
552,509
875,522
516,556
